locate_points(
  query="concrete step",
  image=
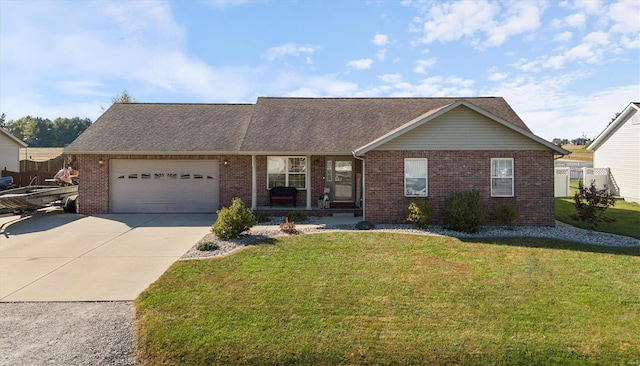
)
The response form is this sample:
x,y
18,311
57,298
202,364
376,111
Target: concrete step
x,y
343,214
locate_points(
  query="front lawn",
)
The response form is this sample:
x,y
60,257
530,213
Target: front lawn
x,y
372,298
627,215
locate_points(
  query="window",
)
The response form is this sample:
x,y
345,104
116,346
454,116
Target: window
x,y
415,177
287,171
502,177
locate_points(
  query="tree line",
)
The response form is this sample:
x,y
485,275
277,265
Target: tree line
x,y
42,132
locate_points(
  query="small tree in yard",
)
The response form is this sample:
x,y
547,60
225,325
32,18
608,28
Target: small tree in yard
x,y
590,203
233,221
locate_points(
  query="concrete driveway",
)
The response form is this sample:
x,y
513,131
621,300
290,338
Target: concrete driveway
x,y
55,256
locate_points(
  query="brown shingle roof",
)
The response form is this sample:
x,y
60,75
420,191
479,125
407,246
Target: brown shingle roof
x,y
287,125
171,128
340,125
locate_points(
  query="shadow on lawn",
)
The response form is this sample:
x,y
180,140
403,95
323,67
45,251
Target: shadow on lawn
x,y
556,244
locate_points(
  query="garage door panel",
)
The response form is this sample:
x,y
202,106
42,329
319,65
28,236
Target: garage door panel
x,y
180,186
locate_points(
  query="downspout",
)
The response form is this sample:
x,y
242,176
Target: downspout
x,y
254,184
364,206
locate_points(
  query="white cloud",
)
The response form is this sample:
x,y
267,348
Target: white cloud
x,y
361,64
575,20
422,65
323,86
563,37
625,15
498,76
381,55
391,78
522,17
380,39
589,6
289,49
484,23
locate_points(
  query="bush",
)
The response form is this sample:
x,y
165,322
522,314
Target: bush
x,y
233,221
288,227
296,216
365,225
420,213
464,212
207,246
590,204
507,215
261,216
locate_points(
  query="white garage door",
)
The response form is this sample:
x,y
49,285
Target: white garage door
x,y
180,186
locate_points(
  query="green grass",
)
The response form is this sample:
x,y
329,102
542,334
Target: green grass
x,y
394,299
627,215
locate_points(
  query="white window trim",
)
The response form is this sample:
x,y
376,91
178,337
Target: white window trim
x,y
426,189
287,173
512,177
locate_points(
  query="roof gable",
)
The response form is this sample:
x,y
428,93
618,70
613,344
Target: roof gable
x,y
433,115
633,109
16,140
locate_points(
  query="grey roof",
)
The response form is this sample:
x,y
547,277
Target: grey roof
x,y
331,125
287,125
166,128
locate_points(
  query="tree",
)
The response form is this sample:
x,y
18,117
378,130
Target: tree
x,y
68,129
590,203
2,124
121,98
41,132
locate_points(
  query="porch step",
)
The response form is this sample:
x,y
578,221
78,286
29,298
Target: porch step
x,y
343,214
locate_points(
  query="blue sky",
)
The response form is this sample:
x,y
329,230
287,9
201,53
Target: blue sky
x,y
565,67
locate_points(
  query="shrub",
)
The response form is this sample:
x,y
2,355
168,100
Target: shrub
x,y
507,215
420,213
464,211
288,227
233,221
296,216
365,225
207,246
590,204
261,216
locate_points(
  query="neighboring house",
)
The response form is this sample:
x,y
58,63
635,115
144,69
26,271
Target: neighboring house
x,y
10,151
618,148
373,153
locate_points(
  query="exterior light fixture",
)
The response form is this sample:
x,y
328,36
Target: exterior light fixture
x,y
100,160
226,162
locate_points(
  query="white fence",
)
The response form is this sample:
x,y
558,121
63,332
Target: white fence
x,y
561,182
601,177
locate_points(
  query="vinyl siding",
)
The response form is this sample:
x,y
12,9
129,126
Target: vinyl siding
x,y
462,129
621,153
9,151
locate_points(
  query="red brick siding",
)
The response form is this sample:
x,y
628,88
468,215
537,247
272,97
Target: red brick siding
x,y
458,171
93,190
235,180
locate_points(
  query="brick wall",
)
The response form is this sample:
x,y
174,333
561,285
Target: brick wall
x,y
235,180
458,171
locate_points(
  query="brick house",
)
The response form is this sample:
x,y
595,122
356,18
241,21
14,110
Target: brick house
x,y
369,155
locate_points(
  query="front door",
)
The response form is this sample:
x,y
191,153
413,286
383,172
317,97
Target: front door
x,y
339,176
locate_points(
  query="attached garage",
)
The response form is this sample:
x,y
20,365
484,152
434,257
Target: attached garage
x,y
164,186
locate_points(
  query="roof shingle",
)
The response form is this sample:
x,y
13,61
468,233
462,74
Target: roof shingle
x,y
286,125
